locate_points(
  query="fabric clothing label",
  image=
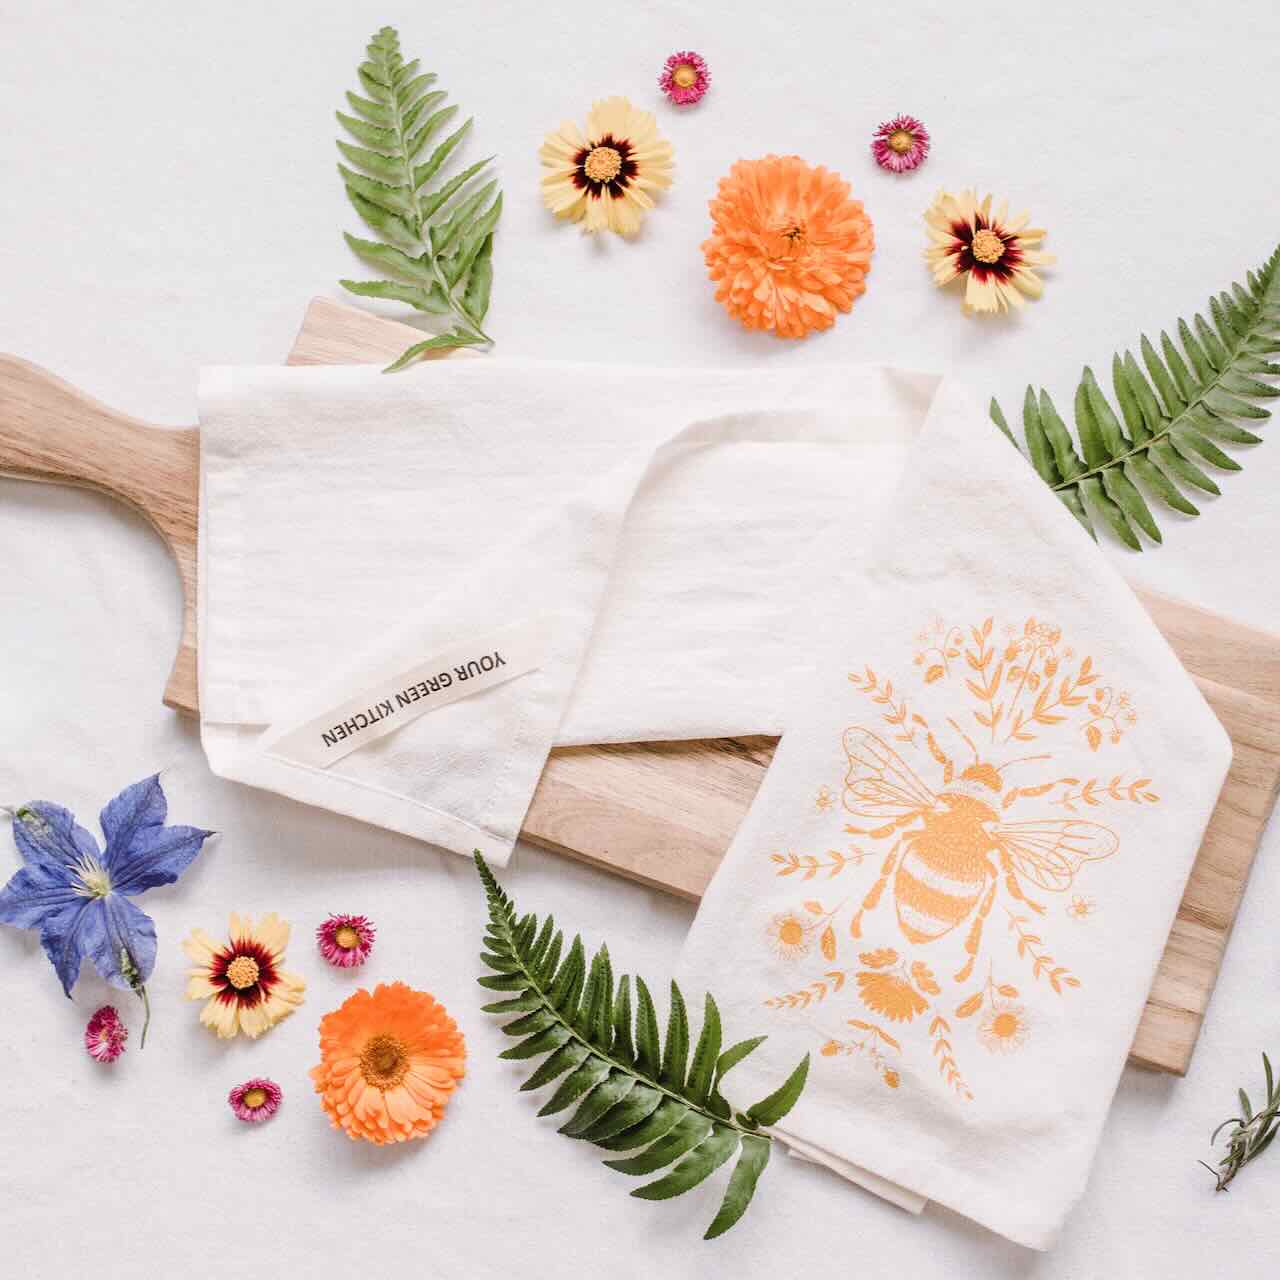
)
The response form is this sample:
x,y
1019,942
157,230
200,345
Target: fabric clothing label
x,y
463,669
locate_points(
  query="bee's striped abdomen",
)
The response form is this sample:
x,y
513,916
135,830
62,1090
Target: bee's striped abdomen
x,y
932,901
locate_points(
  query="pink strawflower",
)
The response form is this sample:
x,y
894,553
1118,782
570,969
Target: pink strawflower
x,y
900,144
256,1100
105,1034
345,941
685,78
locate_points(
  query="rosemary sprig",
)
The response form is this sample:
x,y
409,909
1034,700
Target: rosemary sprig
x,y
1253,1132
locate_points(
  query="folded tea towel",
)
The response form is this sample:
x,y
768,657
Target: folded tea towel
x,y
958,876
960,872
365,537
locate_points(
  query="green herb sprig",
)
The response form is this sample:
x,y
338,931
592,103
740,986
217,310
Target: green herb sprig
x,y
630,1092
437,237
1158,442
1252,1133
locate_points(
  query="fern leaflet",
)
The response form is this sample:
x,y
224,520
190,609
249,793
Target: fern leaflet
x,y
1169,417
436,246
631,1092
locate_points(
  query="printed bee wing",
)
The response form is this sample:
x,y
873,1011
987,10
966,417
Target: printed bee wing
x,y
880,784
1051,851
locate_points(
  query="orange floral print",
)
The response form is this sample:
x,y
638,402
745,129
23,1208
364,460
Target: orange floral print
x,y
890,995
950,851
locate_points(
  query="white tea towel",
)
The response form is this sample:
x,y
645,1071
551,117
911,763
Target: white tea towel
x,y
413,587
358,529
960,872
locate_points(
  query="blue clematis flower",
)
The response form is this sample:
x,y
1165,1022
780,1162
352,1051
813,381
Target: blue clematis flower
x,y
77,895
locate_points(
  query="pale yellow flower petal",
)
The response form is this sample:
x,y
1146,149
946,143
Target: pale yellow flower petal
x,y
273,933
254,1019
1029,283
199,987
200,947
220,1016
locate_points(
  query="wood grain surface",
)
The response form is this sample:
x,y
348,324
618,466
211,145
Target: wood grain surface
x,y
663,814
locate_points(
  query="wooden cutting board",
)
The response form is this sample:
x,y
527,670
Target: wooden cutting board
x,y
664,813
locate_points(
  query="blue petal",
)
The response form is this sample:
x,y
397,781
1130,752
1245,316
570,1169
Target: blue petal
x,y
121,926
48,833
141,851
35,892
135,809
157,856
66,936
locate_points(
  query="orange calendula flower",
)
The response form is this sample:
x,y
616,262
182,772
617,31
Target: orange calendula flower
x,y
389,1063
242,981
603,177
992,253
788,248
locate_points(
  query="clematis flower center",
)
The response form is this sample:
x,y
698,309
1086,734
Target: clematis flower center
x,y
242,972
347,938
602,164
94,882
901,141
384,1061
685,75
987,246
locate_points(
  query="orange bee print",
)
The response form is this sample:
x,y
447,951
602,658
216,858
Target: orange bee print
x,y
952,850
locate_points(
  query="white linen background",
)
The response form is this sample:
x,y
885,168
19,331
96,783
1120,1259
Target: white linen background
x,y
170,201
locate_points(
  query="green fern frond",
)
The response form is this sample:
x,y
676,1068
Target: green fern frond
x,y
1170,418
631,1091
436,246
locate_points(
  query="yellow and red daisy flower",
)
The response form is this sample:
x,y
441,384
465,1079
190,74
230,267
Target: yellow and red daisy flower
x,y
242,981
991,252
603,177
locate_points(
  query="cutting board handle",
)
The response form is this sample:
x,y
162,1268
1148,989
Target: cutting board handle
x,y
53,433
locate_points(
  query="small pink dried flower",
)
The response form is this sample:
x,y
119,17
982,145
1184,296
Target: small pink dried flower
x,y
685,78
345,941
900,144
256,1100
105,1034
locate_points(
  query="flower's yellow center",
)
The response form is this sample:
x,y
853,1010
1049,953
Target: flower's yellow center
x,y
603,164
384,1062
254,1098
94,882
1005,1025
684,75
242,972
987,246
901,141
791,933
347,938
787,240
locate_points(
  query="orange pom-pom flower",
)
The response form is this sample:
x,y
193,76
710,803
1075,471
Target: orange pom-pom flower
x,y
788,247
389,1063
